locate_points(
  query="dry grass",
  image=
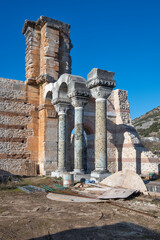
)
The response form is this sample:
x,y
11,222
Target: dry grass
x,y
23,181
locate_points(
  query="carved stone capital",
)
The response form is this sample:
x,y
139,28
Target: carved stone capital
x,y
80,93
61,100
101,92
100,82
62,108
79,101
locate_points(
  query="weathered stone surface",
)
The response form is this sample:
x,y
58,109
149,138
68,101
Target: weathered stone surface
x,y
62,109
126,179
98,77
100,83
48,48
17,128
79,103
79,139
101,136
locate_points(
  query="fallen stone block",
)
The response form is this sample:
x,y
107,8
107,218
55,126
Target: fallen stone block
x,y
125,179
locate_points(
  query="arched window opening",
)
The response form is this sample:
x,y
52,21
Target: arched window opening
x,y
63,90
48,98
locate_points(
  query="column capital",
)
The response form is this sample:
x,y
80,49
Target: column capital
x,y
61,106
101,83
78,101
100,92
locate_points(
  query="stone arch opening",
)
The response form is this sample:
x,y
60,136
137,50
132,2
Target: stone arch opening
x,y
48,97
85,148
63,91
89,155
47,137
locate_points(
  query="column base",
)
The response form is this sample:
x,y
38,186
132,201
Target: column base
x,y
78,171
100,174
58,173
78,174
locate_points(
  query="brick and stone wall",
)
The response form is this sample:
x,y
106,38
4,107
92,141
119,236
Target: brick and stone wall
x,y
32,58
25,143
48,48
47,135
130,153
18,127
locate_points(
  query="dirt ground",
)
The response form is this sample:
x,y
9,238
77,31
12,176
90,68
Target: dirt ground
x,y
33,216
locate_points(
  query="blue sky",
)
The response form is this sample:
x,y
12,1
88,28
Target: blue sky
x,y
122,36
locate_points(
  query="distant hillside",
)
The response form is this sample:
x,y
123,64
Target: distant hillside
x,y
148,127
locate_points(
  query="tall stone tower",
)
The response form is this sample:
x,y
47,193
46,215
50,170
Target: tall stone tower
x,y
48,49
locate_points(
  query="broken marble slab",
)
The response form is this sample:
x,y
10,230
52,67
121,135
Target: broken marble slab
x,y
70,198
108,192
116,193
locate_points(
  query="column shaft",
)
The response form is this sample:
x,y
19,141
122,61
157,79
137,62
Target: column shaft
x,y
62,142
78,139
101,136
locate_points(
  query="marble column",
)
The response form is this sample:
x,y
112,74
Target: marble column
x,y
101,135
61,141
79,140
100,83
62,137
79,104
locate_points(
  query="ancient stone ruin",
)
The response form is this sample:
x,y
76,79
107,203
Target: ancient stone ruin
x,y
55,122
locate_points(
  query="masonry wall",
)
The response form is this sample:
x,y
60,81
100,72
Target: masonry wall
x,y
48,48
48,126
32,58
130,153
28,133
18,127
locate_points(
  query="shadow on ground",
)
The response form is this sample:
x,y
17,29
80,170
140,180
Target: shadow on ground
x,y
120,231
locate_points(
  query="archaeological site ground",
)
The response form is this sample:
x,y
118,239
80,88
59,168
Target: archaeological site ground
x,y
34,216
